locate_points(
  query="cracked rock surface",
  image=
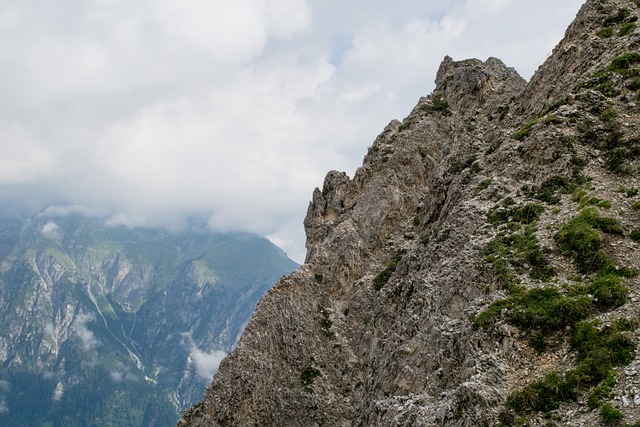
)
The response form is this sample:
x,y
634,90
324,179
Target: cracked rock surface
x,y
375,328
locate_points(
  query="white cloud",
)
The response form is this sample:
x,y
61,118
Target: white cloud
x,y
50,230
151,111
49,330
23,158
231,32
116,376
287,17
58,211
206,363
87,338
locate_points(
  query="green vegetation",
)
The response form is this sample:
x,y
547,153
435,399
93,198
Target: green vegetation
x,y
602,392
489,316
528,213
483,185
601,82
429,234
502,111
627,29
542,395
580,240
599,349
608,290
551,120
630,192
525,130
635,234
621,16
553,107
544,312
326,323
459,166
547,191
383,277
619,152
636,206
307,378
547,310
605,32
506,212
516,248
634,85
623,63
606,224
609,414
608,115
540,312
101,403
580,197
438,105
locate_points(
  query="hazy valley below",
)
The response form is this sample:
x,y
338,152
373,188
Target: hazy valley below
x,y
113,326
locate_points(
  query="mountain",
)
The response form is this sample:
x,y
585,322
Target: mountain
x,y
112,326
480,268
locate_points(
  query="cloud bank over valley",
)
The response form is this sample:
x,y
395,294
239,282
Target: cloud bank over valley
x,y
151,112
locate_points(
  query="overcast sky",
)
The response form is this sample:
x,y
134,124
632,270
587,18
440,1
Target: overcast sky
x,y
149,111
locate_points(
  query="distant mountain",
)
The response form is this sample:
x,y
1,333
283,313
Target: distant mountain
x,y
113,326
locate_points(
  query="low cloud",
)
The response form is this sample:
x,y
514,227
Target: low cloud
x,y
87,338
123,373
61,211
50,230
116,376
206,364
149,112
49,330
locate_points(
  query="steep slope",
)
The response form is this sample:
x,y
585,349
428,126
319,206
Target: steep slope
x,y
481,266
105,325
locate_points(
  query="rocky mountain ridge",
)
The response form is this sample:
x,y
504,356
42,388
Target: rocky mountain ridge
x,y
454,279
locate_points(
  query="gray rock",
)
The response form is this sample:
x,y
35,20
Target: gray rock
x,y
395,262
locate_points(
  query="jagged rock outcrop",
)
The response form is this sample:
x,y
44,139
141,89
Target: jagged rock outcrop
x,y
395,317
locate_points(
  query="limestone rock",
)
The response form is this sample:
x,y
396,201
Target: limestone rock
x,y
374,329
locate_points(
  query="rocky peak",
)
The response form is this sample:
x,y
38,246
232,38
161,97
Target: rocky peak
x,y
415,306
597,36
471,85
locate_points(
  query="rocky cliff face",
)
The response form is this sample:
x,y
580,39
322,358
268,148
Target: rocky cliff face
x,y
104,325
481,266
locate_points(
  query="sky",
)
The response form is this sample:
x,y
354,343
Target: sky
x,y
151,112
